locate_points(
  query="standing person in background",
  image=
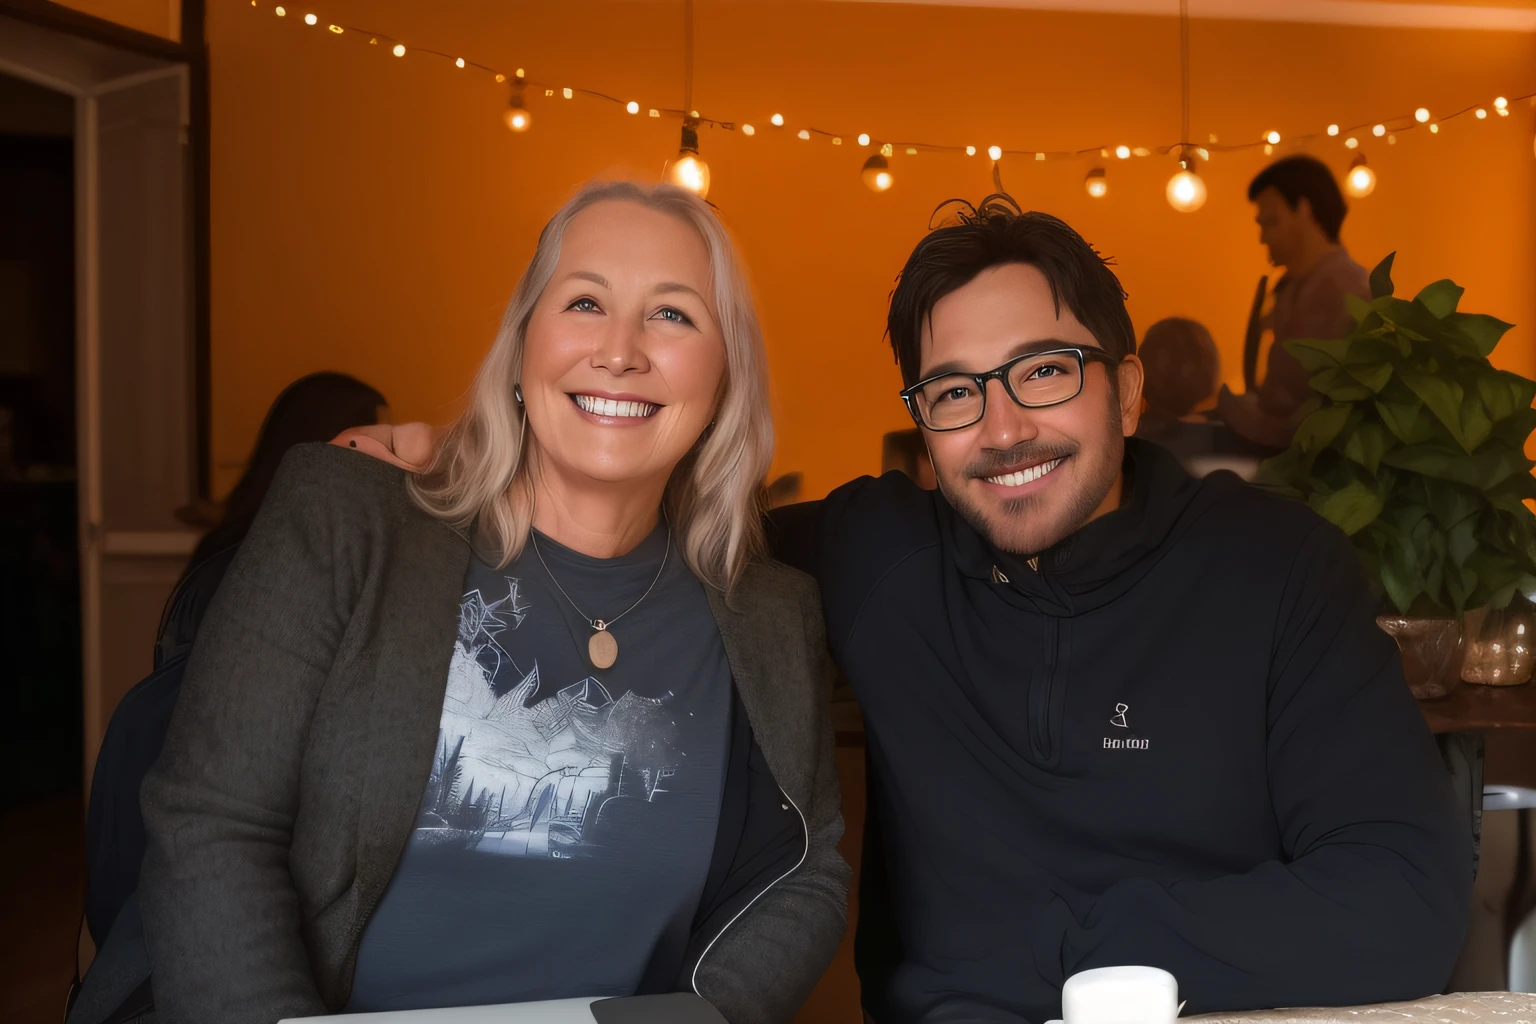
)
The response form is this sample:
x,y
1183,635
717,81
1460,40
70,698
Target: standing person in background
x,y
1300,211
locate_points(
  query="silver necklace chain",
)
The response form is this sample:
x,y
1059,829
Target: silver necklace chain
x,y
601,624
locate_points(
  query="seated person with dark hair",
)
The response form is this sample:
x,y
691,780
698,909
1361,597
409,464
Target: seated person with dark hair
x,y
1183,370
1300,212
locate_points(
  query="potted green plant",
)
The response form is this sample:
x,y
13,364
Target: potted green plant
x,y
1415,447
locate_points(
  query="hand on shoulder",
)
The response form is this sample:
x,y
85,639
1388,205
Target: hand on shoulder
x,y
408,445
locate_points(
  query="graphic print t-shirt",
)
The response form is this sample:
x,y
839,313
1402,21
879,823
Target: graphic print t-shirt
x,y
567,828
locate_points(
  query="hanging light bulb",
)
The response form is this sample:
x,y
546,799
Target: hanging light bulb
x,y
688,170
516,115
877,173
1096,184
1361,180
1186,192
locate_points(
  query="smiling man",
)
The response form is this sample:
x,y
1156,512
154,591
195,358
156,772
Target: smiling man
x,y
1115,715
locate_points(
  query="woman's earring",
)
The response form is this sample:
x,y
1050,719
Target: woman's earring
x,y
517,393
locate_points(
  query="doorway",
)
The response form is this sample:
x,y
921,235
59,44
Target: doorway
x,y
99,434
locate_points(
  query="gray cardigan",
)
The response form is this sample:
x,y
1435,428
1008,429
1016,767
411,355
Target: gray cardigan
x,y
306,727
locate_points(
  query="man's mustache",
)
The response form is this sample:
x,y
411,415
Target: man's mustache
x,y
994,461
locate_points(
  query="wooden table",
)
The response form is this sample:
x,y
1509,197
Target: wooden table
x,y
1472,708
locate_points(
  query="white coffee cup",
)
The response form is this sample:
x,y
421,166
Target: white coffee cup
x,y
1120,995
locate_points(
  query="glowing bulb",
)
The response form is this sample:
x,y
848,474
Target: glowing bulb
x,y
1186,192
877,174
1333,129
337,29
1268,149
399,50
1501,103
1141,151
690,172
887,149
1351,142
970,150
655,112
518,119
748,130
837,140
632,107
863,138
500,78
995,152
1434,129
804,135
1421,115
520,73
1361,180
282,12
1273,138
911,151
1123,152
568,93
1205,154
1503,111
1096,184
778,120
1481,113
1379,130
459,63
310,19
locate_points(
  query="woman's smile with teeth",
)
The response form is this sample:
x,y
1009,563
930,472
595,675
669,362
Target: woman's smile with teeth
x,y
1023,476
613,408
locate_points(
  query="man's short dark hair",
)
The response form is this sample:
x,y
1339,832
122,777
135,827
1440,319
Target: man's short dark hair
x,y
995,233
1305,177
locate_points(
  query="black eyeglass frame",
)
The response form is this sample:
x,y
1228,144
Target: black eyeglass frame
x,y
909,395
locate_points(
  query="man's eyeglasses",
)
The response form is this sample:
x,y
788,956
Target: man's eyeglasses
x,y
952,401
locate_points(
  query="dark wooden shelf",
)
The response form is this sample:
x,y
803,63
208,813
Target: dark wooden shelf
x,y
1471,708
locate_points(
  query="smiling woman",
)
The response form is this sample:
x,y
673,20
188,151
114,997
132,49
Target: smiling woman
x,y
509,688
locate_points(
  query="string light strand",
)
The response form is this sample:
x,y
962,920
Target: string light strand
x,y
1396,125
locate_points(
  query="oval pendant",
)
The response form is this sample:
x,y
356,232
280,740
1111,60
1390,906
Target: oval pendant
x,y
603,649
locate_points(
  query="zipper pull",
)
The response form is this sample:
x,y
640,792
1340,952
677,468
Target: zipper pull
x,y
997,575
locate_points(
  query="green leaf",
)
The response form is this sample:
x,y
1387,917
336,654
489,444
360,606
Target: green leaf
x,y
1374,377
1340,386
1358,307
1400,577
1484,470
1319,429
1475,424
1335,350
1352,508
1311,359
1449,503
1440,298
1480,329
1461,541
1367,444
1501,397
1441,396
1399,417
1381,277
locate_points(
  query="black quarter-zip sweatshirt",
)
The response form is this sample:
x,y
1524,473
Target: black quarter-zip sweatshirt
x,y
1177,739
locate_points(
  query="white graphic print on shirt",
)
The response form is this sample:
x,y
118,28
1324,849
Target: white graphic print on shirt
x,y
545,778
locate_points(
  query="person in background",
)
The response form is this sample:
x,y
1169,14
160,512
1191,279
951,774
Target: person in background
x,y
1183,371
313,408
1300,211
541,721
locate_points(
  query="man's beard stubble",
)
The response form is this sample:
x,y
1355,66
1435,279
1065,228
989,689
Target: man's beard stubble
x,y
1018,512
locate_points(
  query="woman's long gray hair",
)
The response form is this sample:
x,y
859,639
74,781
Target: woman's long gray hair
x,y
481,474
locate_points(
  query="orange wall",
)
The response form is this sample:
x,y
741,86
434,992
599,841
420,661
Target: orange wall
x,y
372,214
157,17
